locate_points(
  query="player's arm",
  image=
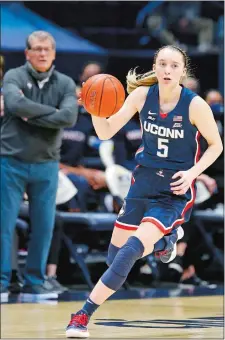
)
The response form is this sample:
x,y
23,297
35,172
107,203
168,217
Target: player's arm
x,y
107,128
202,117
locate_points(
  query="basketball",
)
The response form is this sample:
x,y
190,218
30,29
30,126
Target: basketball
x,y
102,95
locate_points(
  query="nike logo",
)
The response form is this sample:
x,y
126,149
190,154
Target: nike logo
x,y
152,113
89,301
160,173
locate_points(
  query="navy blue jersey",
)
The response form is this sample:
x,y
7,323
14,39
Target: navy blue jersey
x,y
169,141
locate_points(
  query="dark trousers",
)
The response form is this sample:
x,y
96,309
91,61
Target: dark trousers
x,y
40,181
56,243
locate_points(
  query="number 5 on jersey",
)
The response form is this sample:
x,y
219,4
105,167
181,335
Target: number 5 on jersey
x,y
163,147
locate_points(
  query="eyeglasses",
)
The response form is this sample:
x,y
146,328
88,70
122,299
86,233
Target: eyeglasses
x,y
39,49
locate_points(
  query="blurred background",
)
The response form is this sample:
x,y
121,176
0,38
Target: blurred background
x,y
112,37
120,34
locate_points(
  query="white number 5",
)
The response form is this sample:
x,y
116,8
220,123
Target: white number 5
x,y
162,146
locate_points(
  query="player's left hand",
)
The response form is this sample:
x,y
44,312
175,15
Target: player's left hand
x,y
181,186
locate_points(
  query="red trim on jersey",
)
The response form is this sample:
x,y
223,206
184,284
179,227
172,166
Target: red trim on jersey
x,y
157,223
176,222
187,206
198,149
139,150
132,177
125,226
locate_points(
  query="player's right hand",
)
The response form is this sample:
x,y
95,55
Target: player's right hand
x,y
79,95
80,101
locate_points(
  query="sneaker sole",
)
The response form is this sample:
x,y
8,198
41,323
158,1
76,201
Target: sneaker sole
x,y
29,296
73,333
172,256
4,297
180,234
177,267
189,286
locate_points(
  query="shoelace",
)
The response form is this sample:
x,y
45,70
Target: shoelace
x,y
79,319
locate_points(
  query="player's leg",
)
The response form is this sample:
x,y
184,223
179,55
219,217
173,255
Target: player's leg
x,y
169,252
120,237
126,224
140,244
168,218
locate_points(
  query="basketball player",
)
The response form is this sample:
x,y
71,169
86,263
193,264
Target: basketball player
x,y
162,190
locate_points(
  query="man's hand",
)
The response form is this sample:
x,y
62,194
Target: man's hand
x,y
209,182
99,180
95,178
66,171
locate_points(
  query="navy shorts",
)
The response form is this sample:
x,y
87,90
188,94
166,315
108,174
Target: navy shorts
x,y
150,199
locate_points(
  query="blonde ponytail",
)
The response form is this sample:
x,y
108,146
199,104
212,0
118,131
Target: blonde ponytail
x,y
134,80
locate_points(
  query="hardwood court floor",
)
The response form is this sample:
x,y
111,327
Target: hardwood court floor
x,y
162,318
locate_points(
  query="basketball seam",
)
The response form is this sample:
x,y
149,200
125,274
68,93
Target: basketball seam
x,y
100,101
116,95
89,89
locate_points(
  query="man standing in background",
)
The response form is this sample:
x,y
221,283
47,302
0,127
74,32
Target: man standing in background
x,y
39,101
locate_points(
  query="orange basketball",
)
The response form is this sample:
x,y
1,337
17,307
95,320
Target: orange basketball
x,y
102,95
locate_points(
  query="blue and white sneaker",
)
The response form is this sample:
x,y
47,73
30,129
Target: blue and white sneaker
x,y
4,294
77,327
169,253
38,292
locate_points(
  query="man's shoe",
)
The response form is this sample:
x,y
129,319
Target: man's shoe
x,y
15,287
56,286
169,253
16,283
195,281
77,327
175,270
4,294
38,292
